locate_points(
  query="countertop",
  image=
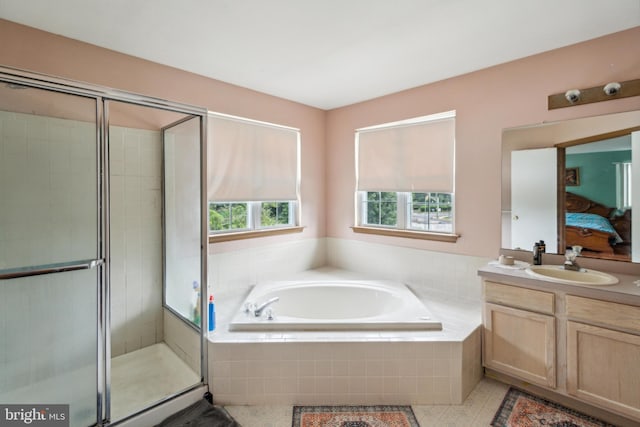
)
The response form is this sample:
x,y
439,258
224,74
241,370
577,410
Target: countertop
x,y
625,292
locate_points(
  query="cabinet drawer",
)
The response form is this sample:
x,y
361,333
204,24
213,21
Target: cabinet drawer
x,y
615,315
514,296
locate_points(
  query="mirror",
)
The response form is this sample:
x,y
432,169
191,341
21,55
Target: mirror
x,y
550,170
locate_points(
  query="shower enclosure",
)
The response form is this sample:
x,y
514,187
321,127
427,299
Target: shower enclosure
x,y
102,248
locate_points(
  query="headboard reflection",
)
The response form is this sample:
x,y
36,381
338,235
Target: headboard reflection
x,y
600,230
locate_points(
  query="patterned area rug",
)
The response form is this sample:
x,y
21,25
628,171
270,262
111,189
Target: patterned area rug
x,y
354,416
520,409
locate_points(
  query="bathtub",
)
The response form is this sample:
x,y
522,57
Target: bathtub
x,y
333,305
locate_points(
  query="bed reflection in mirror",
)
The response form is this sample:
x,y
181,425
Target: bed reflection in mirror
x,y
591,209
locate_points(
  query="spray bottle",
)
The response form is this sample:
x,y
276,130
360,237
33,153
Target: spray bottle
x,y
212,314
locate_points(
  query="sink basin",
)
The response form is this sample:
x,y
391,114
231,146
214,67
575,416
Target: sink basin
x,y
557,273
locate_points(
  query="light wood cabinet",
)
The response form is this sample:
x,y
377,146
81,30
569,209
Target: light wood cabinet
x,y
602,367
520,332
513,296
612,315
603,353
578,346
520,343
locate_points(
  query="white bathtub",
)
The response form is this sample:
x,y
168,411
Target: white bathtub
x,y
334,305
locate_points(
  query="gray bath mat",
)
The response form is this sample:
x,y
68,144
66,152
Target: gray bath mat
x,y
200,414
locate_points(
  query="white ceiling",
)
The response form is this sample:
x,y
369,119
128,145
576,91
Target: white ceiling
x,y
327,53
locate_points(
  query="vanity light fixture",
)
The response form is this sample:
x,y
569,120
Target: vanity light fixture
x,y
608,92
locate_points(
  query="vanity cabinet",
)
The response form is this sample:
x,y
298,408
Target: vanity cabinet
x,y
603,354
571,341
520,333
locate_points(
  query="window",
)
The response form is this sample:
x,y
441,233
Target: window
x,y
431,212
276,214
380,208
226,217
623,185
254,173
412,211
405,175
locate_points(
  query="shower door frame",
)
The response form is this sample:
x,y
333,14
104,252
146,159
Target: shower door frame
x,y
102,95
203,297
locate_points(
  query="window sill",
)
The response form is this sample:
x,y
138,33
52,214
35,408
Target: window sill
x,y
241,235
409,234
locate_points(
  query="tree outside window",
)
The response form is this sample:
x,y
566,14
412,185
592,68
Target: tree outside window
x,y
412,211
240,216
228,216
382,208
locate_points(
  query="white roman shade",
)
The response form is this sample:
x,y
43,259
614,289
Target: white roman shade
x,y
251,161
414,155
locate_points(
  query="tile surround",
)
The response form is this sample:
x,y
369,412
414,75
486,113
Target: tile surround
x,y
347,367
232,274
182,339
136,239
447,281
451,276
343,372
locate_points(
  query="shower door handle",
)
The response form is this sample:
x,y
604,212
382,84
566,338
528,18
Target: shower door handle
x,y
37,270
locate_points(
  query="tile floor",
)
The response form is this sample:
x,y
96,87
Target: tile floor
x,y
476,411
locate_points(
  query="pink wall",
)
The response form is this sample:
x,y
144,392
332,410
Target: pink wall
x,y
486,101
43,52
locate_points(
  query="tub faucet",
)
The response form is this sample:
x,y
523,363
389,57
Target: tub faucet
x,y
570,258
259,309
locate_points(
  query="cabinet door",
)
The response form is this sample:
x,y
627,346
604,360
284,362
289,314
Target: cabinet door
x,y
520,343
602,367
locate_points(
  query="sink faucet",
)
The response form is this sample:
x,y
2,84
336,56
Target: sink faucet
x,y
570,258
259,309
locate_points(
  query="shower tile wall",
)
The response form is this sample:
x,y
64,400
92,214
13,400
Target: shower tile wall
x,y
136,239
61,165
47,177
49,208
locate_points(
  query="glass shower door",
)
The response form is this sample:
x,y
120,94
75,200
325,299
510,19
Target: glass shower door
x,y
50,252
183,288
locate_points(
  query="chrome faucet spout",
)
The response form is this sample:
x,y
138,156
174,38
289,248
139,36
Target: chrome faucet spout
x,y
570,262
259,309
571,265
